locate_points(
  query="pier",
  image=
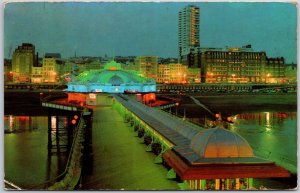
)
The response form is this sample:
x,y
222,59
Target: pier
x,y
174,142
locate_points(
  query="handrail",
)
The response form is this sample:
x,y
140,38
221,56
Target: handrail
x,y
69,157
11,184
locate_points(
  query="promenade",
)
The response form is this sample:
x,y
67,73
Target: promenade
x,y
119,160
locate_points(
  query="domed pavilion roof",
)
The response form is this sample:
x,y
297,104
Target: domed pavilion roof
x,y
111,74
220,143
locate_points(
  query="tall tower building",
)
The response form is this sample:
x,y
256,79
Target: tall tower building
x,y
188,32
22,61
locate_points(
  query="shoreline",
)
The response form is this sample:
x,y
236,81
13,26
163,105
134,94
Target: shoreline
x,y
28,103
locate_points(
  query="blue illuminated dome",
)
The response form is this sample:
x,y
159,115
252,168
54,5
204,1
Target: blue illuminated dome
x,y
111,79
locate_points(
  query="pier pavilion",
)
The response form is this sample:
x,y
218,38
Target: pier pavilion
x,y
219,159
111,79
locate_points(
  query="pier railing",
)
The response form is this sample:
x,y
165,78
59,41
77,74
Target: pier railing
x,y
70,177
10,186
72,173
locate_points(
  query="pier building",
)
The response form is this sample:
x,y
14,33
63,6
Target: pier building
x,y
112,79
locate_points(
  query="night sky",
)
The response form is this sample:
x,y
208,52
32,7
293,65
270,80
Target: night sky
x,y
96,29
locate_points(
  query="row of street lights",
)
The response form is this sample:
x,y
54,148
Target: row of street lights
x,y
233,77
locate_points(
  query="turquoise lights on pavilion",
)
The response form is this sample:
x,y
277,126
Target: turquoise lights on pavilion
x,y
111,79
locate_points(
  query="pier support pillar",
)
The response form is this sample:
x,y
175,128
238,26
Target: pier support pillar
x,y
49,132
60,132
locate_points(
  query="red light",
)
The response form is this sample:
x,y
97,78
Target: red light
x,y
68,79
23,118
73,121
75,116
229,119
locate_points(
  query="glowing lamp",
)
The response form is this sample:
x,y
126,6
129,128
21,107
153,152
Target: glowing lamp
x,y
229,119
73,121
177,104
218,115
75,117
92,96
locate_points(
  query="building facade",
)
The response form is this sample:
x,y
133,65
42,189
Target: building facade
x,y
275,70
233,65
188,33
22,61
193,75
8,75
291,73
51,67
175,73
147,66
37,74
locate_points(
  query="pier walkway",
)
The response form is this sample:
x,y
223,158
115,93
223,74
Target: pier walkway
x,y
119,160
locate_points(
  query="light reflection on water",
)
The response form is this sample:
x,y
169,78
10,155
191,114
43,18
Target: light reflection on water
x,y
272,135
26,160
16,124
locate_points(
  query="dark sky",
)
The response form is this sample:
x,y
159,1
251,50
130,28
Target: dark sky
x,y
95,29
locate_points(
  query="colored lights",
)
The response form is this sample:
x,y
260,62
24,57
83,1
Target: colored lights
x,y
73,121
92,96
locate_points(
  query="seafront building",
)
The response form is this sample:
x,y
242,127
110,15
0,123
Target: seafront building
x,y
188,33
7,71
176,73
291,72
240,65
147,65
22,61
51,67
